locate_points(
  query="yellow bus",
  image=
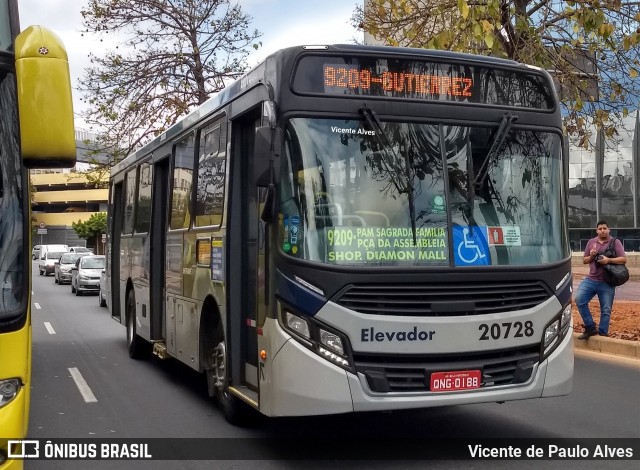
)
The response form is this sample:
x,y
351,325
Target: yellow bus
x,y
36,131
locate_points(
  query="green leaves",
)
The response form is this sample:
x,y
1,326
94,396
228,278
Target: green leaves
x,y
94,226
463,6
591,47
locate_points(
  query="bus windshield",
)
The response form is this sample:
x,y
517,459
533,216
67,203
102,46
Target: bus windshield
x,y
12,279
365,192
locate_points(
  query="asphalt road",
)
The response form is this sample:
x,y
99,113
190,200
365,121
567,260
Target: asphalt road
x,y
163,399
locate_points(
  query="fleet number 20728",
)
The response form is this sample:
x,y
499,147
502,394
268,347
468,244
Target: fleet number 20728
x,y
504,330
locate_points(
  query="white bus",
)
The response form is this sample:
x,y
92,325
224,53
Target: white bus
x,y
353,228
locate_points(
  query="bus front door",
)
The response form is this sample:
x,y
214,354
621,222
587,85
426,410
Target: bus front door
x,y
246,255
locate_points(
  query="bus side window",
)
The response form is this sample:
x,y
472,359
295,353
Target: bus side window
x,y
143,209
182,181
210,179
130,200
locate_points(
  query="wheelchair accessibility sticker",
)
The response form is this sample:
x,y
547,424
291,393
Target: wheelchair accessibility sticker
x,y
471,247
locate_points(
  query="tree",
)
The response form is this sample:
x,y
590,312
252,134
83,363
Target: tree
x,y
174,54
577,40
92,229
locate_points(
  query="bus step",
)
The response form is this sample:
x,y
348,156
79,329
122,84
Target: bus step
x,y
246,394
160,350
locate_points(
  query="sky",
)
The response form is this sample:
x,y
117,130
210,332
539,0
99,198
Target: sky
x,y
282,23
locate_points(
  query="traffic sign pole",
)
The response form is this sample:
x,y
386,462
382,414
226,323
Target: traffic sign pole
x,y
42,230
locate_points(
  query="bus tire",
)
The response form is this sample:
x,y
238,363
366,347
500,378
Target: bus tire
x,y
138,347
101,300
235,411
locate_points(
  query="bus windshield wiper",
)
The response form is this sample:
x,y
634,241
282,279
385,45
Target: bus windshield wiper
x,y
498,139
374,123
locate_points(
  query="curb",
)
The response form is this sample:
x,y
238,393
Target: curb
x,y
607,345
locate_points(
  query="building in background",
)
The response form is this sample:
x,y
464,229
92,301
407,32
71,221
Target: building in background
x,y
604,184
64,196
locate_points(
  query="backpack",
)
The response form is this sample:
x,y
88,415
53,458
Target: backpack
x,y
614,274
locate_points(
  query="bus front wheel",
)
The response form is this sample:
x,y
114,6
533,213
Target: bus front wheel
x,y
138,347
235,411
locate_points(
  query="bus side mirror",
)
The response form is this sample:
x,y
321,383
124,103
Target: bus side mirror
x,y
266,156
44,100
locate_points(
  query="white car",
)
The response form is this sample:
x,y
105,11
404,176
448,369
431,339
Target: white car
x,y
35,253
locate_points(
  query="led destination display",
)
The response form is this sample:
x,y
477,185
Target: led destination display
x,y
378,245
343,77
429,80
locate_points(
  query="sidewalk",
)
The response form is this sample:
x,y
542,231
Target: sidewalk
x,y
629,292
606,345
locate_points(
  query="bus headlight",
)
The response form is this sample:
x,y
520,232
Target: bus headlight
x,y
331,341
555,331
565,320
322,340
551,333
8,390
297,324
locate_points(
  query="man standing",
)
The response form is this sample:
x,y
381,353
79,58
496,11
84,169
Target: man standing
x,y
594,284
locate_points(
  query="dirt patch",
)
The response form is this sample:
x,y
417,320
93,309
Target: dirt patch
x,y
625,319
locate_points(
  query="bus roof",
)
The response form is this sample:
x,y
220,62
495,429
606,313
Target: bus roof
x,y
257,77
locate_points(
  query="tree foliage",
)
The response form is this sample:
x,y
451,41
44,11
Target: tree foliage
x,y
562,36
93,227
172,56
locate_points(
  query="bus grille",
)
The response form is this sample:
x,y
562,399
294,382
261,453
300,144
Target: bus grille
x,y
412,374
433,300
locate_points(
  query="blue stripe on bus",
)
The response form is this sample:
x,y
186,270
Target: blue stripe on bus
x,y
564,294
302,298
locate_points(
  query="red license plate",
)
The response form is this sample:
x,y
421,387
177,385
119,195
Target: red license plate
x,y
455,380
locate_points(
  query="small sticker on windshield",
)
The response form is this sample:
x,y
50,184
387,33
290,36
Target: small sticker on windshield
x,y
293,230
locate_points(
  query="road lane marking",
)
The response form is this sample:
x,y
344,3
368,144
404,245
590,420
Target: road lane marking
x,y
85,391
37,305
49,328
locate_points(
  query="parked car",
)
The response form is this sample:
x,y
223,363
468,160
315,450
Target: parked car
x,y
85,275
102,291
79,249
62,273
48,262
35,253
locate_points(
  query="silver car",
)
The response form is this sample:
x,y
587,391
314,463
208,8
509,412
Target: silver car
x,y
62,273
85,275
35,253
80,249
47,263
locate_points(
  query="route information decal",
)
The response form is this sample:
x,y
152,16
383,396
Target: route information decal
x,y
392,245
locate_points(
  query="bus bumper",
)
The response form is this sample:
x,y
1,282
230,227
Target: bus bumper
x,y
302,383
543,383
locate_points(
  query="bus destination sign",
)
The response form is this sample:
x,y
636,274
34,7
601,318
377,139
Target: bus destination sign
x,y
424,80
338,78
